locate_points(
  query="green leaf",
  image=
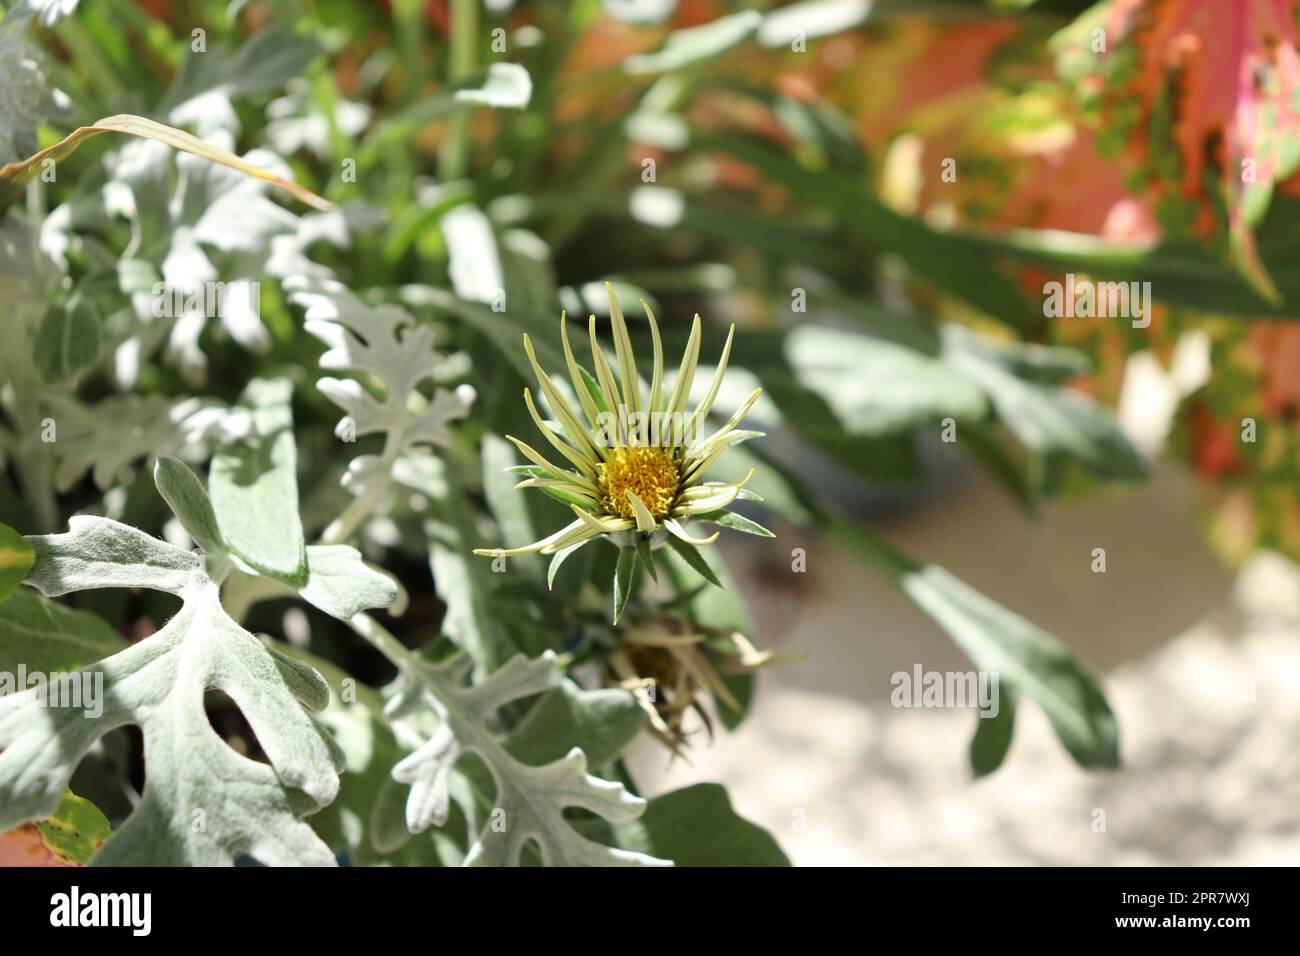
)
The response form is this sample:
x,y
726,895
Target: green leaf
x,y
254,488
688,553
600,722
67,341
1054,422
203,803
68,838
16,559
1027,659
992,737
558,559
646,555
623,580
696,826
185,495
501,86
45,636
76,831
956,263
269,59
737,522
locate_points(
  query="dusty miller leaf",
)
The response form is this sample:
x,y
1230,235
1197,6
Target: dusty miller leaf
x,y
203,803
337,580
113,432
254,487
387,343
530,801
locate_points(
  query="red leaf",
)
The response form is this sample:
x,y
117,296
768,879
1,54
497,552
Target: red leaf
x,y
1204,94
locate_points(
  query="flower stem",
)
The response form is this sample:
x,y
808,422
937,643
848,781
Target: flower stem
x,y
453,159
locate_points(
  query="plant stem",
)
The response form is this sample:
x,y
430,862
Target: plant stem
x,y
382,640
453,160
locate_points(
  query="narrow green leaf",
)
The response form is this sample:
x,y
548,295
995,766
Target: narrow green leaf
x,y
559,558
992,738
593,389
647,557
1026,658
623,580
729,519
689,554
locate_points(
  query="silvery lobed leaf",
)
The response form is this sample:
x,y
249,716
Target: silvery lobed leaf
x,y
254,487
341,584
203,803
336,580
115,431
209,232
389,344
530,801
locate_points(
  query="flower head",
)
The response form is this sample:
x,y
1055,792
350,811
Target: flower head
x,y
673,665
636,458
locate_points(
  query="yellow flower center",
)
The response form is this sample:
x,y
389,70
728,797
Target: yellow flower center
x,y
649,472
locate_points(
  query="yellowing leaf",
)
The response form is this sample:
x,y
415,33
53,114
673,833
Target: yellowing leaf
x,y
68,838
15,174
